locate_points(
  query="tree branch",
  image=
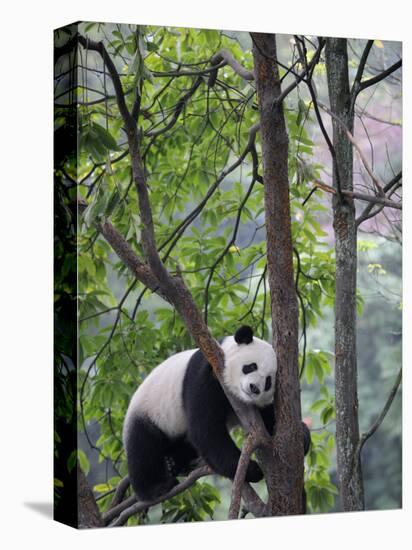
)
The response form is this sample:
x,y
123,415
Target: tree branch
x,y
305,74
137,507
188,73
130,506
227,247
359,72
120,492
381,76
302,52
366,435
355,195
120,97
253,502
367,213
374,178
374,200
222,58
140,270
381,198
115,511
248,447
178,109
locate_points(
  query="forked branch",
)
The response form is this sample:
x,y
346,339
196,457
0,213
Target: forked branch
x,y
123,511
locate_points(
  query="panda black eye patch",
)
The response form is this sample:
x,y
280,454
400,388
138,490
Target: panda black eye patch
x,y
268,383
247,369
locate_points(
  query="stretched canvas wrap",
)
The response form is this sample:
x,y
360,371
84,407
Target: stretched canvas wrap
x,y
228,309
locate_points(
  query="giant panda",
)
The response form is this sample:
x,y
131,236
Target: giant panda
x,y
180,413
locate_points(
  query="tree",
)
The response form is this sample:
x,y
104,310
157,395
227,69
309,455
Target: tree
x,y
342,104
174,125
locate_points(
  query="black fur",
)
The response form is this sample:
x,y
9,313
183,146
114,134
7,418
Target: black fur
x,y
268,415
208,411
244,335
154,460
306,438
306,446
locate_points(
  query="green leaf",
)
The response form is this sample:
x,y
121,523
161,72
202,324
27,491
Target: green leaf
x,y
85,262
89,26
83,460
152,46
317,405
131,45
112,203
105,136
102,487
309,372
302,109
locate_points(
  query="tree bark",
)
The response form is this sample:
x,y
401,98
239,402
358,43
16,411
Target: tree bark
x,y
88,512
285,481
344,223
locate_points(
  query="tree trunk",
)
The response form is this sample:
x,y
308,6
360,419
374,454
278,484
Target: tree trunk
x,y
88,511
285,482
344,223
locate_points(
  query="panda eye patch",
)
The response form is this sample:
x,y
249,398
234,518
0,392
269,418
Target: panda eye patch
x,y
268,383
247,369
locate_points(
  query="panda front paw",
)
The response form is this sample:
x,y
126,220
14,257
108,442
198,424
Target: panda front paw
x,y
171,466
254,473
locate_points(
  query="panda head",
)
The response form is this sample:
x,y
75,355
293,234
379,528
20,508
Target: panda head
x,y
250,367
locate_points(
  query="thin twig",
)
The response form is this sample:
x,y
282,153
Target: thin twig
x,y
227,247
378,184
355,195
304,76
359,73
302,52
120,491
367,212
366,435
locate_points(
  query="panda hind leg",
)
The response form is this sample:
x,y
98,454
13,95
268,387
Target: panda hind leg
x,y
184,457
146,450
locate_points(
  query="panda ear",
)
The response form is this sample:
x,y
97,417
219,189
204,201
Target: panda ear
x,y
244,335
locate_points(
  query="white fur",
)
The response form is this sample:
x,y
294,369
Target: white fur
x,y
159,397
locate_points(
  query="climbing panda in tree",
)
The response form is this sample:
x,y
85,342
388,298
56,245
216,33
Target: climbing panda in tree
x,y
180,413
